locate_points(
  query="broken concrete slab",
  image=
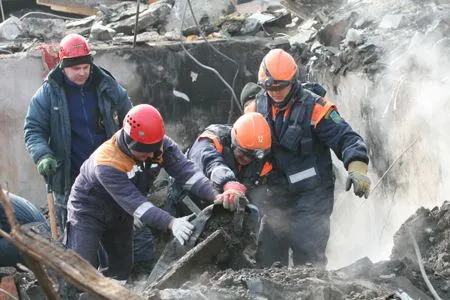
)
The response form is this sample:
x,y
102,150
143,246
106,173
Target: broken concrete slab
x,y
334,32
354,37
213,10
308,24
391,21
262,18
101,32
88,21
120,11
44,29
359,268
155,14
144,37
303,36
11,28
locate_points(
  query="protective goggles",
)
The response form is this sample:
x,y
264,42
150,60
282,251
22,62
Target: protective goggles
x,y
254,154
271,84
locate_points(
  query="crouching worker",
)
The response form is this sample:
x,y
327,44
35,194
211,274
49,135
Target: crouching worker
x,y
234,157
104,200
25,213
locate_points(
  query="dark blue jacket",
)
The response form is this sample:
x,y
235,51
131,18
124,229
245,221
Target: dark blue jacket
x,y
104,186
303,132
47,126
87,130
213,154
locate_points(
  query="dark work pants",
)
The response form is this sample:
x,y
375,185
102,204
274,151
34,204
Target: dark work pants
x,y
9,255
300,222
115,235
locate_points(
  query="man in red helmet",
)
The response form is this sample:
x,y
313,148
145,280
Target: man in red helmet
x,y
104,200
305,127
77,108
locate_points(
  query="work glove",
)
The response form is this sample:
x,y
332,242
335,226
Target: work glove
x,y
47,165
182,229
232,191
357,175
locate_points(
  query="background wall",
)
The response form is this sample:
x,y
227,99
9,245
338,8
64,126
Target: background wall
x,y
150,74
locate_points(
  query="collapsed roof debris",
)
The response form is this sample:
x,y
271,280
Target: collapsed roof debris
x,y
321,36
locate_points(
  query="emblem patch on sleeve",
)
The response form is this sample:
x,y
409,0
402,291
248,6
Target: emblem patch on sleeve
x,y
336,117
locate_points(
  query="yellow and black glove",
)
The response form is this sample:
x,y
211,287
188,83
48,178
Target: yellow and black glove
x,y
357,175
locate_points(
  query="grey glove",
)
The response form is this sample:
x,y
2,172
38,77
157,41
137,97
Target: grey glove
x,y
47,165
357,177
182,229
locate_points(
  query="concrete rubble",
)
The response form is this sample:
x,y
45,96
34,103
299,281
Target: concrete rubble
x,y
327,38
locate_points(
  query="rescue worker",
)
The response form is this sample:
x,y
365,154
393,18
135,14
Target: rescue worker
x,y
104,200
233,157
78,107
248,94
25,213
305,126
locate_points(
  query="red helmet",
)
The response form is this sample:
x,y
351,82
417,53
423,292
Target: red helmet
x,y
73,45
144,128
278,70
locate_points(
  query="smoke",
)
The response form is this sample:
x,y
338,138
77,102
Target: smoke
x,y
403,114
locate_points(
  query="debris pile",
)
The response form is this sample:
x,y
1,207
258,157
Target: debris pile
x,y
159,21
397,278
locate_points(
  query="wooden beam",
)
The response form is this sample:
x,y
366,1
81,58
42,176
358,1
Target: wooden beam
x,y
80,10
72,267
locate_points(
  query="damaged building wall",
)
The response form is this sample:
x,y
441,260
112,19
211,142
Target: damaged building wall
x,y
188,96
399,104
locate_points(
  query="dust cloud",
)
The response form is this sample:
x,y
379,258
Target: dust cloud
x,y
403,114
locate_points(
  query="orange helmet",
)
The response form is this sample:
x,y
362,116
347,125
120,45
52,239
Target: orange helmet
x,y
278,70
144,128
251,135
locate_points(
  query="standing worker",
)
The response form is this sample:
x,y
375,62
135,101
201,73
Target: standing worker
x,y
305,126
104,200
234,157
78,107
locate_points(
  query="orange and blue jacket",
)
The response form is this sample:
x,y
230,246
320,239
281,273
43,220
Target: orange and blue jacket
x,y
213,154
106,182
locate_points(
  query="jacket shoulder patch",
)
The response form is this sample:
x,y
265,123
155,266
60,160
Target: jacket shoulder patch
x,y
321,108
335,116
